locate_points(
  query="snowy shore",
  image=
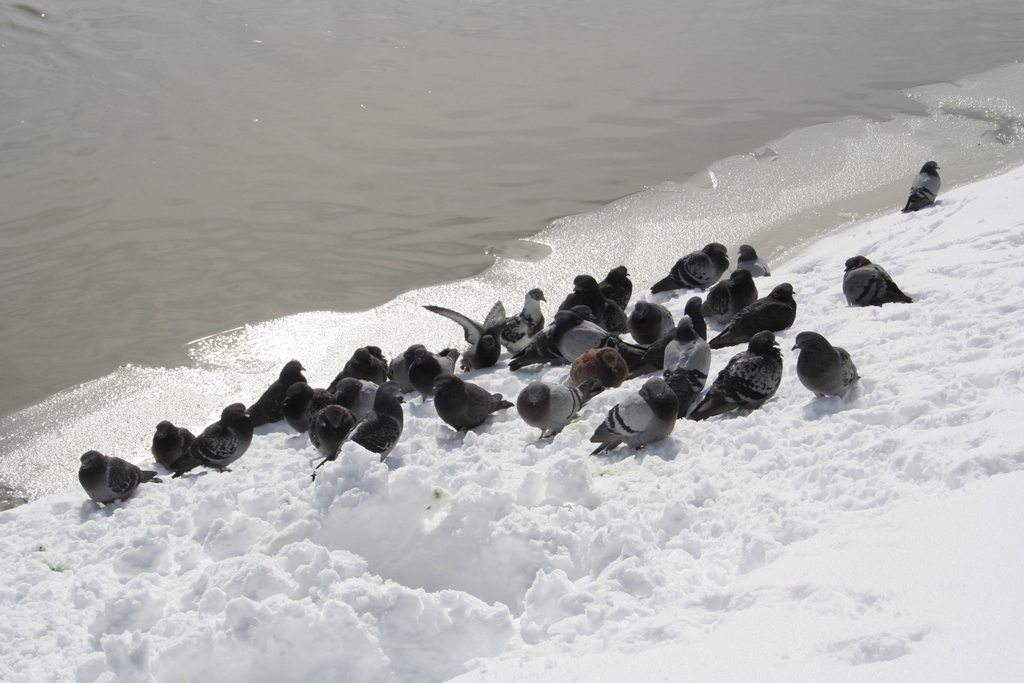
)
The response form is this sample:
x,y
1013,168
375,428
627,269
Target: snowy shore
x,y
813,538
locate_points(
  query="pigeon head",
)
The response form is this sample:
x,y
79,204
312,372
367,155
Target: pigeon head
x,y
375,352
410,353
811,341
536,294
585,283
93,459
298,393
487,345
611,359
334,416
449,353
165,428
715,247
857,262
930,168
347,390
565,321
361,355
661,399
584,312
234,414
292,372
644,311
536,396
740,276
684,330
761,343
617,275
693,307
747,253
783,292
718,254
448,384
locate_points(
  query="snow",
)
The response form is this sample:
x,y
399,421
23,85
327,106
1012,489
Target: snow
x,y
871,537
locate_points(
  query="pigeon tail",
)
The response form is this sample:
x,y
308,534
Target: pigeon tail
x,y
713,404
919,199
631,353
149,475
589,389
666,284
728,338
686,385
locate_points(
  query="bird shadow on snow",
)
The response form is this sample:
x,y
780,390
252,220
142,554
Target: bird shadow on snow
x,y
822,407
91,509
637,454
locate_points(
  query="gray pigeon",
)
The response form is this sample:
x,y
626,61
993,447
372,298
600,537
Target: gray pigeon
x,y
367,363
357,395
380,430
398,369
617,286
464,405
111,479
517,330
642,418
268,407
587,292
775,312
550,407
426,367
328,430
484,340
749,261
649,322
220,444
695,313
824,369
751,378
686,364
301,402
170,443
924,189
729,297
867,284
696,270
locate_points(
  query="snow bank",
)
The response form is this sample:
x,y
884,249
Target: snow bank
x,y
475,552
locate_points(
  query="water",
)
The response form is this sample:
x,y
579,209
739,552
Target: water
x,y
171,171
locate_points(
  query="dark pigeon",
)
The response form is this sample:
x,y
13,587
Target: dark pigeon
x,y
220,444
729,297
398,369
773,313
642,418
751,378
569,337
587,292
550,407
367,363
868,284
484,340
268,407
380,430
649,322
426,367
328,430
107,480
357,395
464,405
695,312
824,369
696,270
170,443
924,189
617,286
301,402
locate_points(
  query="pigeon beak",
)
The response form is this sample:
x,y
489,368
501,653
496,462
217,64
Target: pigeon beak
x,y
795,347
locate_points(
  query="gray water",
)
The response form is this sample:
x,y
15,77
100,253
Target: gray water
x,y
174,170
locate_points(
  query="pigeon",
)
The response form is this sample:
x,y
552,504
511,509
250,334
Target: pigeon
x,y
170,443
517,330
328,430
585,313
775,312
696,270
426,366
642,418
749,260
729,297
550,407
107,480
367,363
687,362
587,292
924,189
867,284
357,395
606,365
380,430
301,402
398,369
464,405
268,407
617,286
824,369
567,338
220,444
653,359
695,313
649,322
751,378
484,346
